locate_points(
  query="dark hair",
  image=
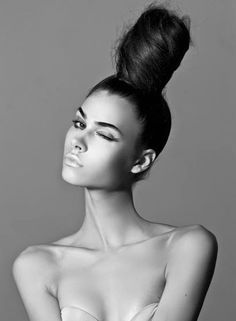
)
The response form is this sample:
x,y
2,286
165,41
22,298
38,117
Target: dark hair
x,y
146,57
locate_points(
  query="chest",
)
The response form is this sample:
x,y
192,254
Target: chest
x,y
114,284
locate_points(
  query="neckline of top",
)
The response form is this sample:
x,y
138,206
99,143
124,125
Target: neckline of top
x,y
78,308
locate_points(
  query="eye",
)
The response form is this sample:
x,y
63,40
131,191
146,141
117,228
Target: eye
x,y
106,137
83,125
75,121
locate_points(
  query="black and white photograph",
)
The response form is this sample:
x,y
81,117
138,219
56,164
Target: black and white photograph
x,y
118,153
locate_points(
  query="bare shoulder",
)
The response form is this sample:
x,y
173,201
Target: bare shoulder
x,y
194,240
190,264
41,254
193,233
33,271
38,262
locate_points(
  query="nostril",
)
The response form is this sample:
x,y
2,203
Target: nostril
x,y
76,148
75,145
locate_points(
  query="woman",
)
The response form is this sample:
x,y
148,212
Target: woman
x,y
118,265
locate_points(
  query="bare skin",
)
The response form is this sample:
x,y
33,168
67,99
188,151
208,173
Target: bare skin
x,y
121,284
118,265
108,284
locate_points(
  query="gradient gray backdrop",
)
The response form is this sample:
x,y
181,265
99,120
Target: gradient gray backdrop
x,y
51,53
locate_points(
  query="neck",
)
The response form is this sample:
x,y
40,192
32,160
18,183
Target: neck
x,y
110,220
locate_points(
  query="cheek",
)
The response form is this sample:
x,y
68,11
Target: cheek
x,y
103,156
114,162
109,170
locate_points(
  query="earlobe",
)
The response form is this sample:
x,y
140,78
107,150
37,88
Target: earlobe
x,y
136,169
144,162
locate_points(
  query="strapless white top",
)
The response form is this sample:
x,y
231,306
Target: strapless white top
x,y
72,313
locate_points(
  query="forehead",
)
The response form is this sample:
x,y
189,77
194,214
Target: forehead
x,y
110,108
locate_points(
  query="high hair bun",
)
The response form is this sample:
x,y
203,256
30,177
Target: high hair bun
x,y
152,49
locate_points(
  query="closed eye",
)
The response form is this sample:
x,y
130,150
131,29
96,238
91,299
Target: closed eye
x,y
76,121
106,137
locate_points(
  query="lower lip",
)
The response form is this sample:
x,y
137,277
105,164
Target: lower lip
x,y
71,163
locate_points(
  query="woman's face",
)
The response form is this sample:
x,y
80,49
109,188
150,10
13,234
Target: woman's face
x,y
106,154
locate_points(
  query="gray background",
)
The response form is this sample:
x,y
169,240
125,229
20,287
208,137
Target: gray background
x,y
51,53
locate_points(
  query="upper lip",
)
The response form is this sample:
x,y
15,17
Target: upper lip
x,y
73,157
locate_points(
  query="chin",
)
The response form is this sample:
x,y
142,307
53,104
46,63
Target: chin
x,y
70,176
73,176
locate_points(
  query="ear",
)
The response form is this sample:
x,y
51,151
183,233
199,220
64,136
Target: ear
x,y
144,161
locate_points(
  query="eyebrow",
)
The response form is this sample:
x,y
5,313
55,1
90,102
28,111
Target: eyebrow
x,y
101,123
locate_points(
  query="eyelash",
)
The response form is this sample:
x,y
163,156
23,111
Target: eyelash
x,y
75,121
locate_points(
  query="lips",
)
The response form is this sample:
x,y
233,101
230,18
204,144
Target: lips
x,y
73,159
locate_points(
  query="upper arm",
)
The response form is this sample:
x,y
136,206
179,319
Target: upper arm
x,y
30,271
189,273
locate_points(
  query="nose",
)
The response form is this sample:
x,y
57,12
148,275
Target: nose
x,y
77,146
